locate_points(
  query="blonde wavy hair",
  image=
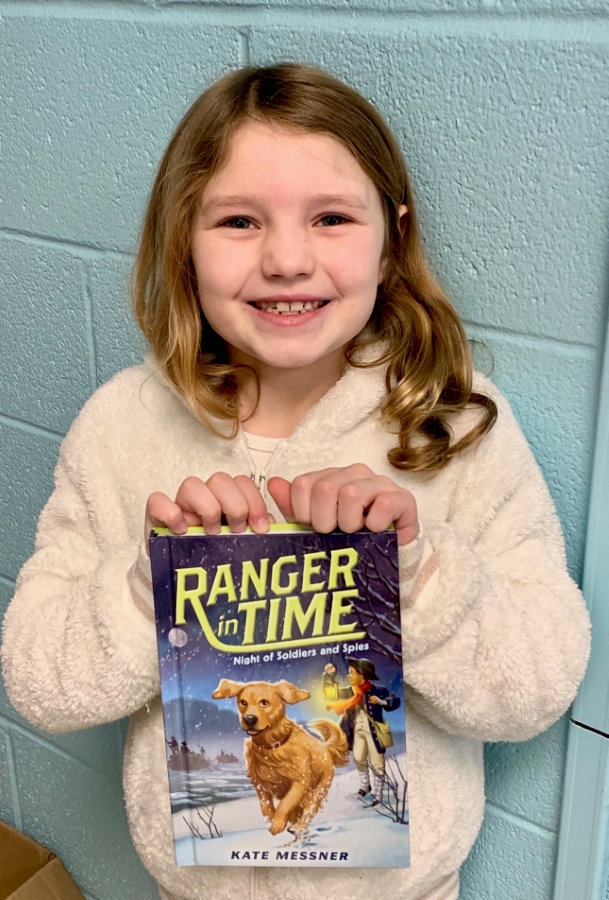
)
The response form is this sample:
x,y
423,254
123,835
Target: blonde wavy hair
x,y
413,332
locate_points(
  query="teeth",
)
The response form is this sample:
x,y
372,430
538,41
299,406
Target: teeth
x,y
285,307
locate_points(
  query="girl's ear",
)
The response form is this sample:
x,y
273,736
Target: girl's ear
x,y
403,220
382,270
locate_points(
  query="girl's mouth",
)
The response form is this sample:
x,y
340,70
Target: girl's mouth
x,y
288,307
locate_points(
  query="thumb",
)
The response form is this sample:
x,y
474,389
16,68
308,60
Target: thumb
x,y
280,490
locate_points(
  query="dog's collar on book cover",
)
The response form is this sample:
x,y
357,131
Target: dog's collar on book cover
x,y
277,744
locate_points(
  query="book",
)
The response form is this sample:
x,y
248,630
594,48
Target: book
x,y
283,702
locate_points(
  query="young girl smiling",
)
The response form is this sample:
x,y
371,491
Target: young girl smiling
x,y
305,365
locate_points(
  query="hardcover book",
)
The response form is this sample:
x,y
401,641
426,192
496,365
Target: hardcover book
x,y
283,700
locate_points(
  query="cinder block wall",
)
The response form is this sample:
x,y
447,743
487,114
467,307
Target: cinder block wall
x,y
502,109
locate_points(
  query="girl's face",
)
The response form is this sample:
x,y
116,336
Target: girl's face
x,y
287,248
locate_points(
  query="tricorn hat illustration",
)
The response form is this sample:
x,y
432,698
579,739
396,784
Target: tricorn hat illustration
x,y
365,667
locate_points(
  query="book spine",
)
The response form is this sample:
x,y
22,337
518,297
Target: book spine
x,y
181,719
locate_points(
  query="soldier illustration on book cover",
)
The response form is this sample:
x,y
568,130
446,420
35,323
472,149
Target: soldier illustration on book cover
x,y
368,735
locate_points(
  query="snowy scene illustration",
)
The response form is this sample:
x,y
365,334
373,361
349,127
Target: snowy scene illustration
x,y
294,755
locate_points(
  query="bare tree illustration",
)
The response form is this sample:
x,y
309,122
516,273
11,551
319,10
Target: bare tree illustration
x,y
207,817
394,802
378,606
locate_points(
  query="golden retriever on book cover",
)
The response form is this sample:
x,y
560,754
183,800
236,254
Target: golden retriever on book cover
x,y
287,765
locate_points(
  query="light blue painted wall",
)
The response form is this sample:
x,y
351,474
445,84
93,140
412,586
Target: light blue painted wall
x,y
503,111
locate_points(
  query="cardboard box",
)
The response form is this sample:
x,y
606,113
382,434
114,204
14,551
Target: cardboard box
x,y
29,871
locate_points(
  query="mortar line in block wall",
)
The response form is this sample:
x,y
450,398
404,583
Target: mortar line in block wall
x,y
7,579
29,428
83,251
12,777
120,740
583,349
87,301
520,821
50,747
243,56
590,26
497,14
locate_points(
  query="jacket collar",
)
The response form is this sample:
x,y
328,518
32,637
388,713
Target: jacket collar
x,y
358,394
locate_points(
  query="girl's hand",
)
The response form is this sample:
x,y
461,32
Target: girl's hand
x,y
205,502
348,498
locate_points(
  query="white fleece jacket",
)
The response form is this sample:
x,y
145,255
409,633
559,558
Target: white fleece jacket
x,y
496,635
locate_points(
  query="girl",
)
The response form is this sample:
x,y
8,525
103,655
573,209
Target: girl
x,y
305,365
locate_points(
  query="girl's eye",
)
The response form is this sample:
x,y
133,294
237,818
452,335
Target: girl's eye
x,y
240,222
333,219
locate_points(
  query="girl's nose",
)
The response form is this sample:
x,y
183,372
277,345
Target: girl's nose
x,y
287,254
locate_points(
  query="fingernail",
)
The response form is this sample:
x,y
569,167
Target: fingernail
x,y
263,523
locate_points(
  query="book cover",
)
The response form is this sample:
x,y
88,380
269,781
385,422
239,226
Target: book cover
x,y
283,700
